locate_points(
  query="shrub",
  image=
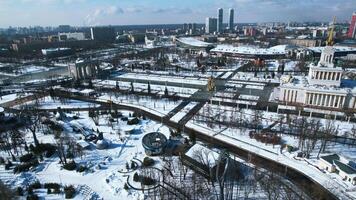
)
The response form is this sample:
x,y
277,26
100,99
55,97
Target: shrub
x,y
147,180
36,185
82,168
49,149
126,187
8,165
19,191
69,192
148,162
2,161
133,121
26,166
133,165
27,157
30,190
32,197
136,177
54,186
70,166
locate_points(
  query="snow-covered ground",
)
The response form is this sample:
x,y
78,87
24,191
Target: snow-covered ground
x,y
183,112
11,97
53,103
240,137
103,177
168,79
26,69
143,87
160,107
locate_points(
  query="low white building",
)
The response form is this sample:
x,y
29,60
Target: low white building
x,y
336,164
71,36
321,88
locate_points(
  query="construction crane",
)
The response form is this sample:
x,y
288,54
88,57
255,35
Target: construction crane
x,y
330,40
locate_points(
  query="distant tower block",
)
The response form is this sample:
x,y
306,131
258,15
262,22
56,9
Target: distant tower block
x,y
231,19
220,20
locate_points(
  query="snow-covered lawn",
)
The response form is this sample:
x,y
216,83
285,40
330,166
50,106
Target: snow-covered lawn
x,y
143,87
26,69
163,78
11,97
52,103
103,178
183,112
249,97
160,107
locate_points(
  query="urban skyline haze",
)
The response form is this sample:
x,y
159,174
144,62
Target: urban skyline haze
x,y
127,12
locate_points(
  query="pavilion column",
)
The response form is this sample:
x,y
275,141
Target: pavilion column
x,y
313,99
332,97
334,101
317,99
292,96
327,100
337,101
287,95
342,102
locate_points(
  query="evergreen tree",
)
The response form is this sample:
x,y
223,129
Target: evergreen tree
x,y
166,91
132,87
149,88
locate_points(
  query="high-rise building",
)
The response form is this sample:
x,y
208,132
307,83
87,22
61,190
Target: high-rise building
x,y
103,34
352,29
210,25
231,19
220,20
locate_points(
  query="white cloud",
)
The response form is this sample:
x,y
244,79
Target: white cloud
x,y
93,19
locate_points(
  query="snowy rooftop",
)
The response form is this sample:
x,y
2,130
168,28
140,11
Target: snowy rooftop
x,y
87,91
276,50
193,42
198,151
301,82
336,48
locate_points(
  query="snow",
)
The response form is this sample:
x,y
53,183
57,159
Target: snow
x,y
160,107
256,87
11,97
8,98
276,50
52,103
26,69
105,181
210,156
168,79
226,75
193,42
249,97
177,117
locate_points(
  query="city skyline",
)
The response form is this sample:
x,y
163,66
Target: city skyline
x,y
127,12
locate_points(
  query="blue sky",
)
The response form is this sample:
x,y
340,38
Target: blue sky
x,y
122,12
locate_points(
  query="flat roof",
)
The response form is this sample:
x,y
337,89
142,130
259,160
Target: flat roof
x,y
210,157
193,42
336,48
251,50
